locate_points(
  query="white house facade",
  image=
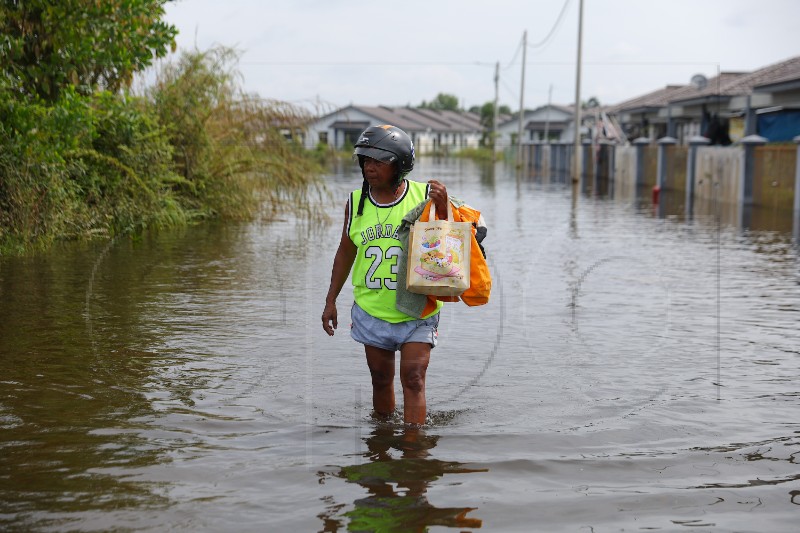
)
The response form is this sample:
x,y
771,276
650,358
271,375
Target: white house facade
x,y
552,123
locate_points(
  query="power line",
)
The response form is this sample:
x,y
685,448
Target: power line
x,y
471,63
369,63
552,32
516,53
512,92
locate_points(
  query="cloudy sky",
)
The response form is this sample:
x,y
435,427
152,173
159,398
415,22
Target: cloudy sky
x,y
325,54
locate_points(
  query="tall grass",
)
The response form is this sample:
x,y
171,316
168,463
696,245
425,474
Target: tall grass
x,y
235,152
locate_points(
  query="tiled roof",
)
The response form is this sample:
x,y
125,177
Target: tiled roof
x,y
726,84
742,83
718,85
455,120
514,116
419,120
657,98
778,72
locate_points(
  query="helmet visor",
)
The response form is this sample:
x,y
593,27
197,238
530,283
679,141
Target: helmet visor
x,y
383,156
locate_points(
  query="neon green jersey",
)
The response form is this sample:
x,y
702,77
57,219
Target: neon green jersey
x,y
374,233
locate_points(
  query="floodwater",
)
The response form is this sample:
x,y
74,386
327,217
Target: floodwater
x,y
635,370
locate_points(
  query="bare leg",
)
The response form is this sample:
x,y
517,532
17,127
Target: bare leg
x,y
381,367
414,358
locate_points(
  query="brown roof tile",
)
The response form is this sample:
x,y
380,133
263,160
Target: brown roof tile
x,y
658,98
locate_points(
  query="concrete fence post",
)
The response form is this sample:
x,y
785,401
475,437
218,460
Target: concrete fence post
x,y
545,162
695,142
748,168
663,144
603,149
540,158
612,168
640,143
796,223
586,152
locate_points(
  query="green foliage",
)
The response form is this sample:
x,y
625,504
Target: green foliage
x,y
82,166
591,103
32,166
486,112
49,45
123,175
442,102
107,164
79,159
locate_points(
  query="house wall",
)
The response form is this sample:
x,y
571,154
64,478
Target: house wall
x,y
508,130
335,138
427,143
786,98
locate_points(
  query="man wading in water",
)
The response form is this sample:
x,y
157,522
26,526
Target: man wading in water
x,y
370,246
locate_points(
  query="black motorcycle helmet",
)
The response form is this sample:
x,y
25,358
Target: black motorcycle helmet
x,y
388,144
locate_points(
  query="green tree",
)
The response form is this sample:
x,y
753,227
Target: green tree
x,y
486,112
47,45
442,102
591,103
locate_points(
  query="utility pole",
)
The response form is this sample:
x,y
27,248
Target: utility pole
x,y
576,175
494,118
522,99
547,117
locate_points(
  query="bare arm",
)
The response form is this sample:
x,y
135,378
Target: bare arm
x,y
342,263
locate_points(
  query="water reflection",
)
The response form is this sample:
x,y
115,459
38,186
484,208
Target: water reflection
x,y
176,382
69,399
487,171
676,204
397,476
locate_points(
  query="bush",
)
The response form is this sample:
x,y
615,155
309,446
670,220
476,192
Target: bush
x,y
125,171
82,166
37,198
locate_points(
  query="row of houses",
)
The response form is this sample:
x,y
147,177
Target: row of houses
x,y
432,131
724,108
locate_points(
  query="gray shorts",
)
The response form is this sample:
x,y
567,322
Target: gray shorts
x,y
372,331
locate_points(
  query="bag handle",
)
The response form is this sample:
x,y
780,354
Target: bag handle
x,y
426,213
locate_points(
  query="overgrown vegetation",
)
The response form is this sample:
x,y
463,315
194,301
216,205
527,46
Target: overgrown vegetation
x,y
79,157
234,152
